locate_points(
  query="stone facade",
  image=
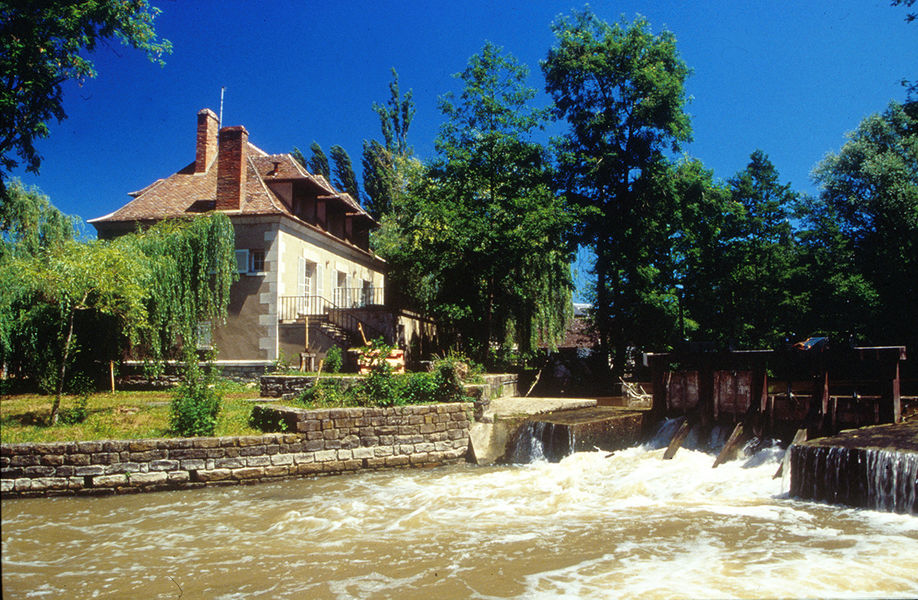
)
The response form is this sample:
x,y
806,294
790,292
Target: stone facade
x,y
320,442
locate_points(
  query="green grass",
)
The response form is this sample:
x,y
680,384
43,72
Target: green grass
x,y
119,415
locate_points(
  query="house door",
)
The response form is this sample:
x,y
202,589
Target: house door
x,y
306,285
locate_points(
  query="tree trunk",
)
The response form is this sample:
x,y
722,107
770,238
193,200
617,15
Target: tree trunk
x,y
65,354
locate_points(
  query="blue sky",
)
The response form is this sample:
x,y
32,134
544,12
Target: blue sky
x,y
788,77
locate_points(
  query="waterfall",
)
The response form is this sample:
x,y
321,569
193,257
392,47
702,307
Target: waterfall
x,y
875,478
542,441
893,480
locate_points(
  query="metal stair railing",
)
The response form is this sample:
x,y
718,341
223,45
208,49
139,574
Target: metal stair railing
x,y
294,308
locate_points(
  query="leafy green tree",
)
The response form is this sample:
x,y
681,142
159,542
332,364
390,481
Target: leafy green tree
x,y
759,293
482,228
621,90
381,179
44,44
867,214
345,179
30,224
701,209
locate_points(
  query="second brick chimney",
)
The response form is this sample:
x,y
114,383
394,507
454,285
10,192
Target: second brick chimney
x,y
231,167
206,147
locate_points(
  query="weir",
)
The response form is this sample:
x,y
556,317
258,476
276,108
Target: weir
x,y
558,434
873,467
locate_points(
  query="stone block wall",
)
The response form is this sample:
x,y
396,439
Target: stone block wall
x,y
319,442
279,386
494,386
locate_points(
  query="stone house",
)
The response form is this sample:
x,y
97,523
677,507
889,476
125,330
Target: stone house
x,y
302,250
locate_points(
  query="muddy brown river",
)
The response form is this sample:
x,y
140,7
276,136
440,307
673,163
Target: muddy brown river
x,y
627,526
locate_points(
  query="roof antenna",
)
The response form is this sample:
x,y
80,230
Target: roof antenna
x,y
222,89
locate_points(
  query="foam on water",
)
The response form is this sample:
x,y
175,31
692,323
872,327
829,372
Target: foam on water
x,y
590,526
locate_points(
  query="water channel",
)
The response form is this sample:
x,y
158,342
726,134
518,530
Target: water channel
x,y
630,525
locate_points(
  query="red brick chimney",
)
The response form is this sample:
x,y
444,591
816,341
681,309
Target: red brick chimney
x,y
206,148
231,167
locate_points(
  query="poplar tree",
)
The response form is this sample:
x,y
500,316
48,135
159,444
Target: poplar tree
x,y
318,161
382,181
345,179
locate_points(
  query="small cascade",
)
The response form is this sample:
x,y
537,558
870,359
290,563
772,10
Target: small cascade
x,y
542,441
892,481
874,478
552,436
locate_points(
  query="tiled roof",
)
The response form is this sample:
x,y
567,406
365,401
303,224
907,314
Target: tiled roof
x,y
185,192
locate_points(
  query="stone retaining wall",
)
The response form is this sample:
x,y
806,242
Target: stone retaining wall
x,y
318,442
494,385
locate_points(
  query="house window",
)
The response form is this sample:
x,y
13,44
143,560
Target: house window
x,y
256,261
205,336
250,261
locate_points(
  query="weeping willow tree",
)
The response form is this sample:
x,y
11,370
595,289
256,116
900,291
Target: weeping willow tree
x,y
149,290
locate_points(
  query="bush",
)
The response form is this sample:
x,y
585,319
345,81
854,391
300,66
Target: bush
x,y
195,406
328,393
381,387
334,359
450,373
82,385
419,388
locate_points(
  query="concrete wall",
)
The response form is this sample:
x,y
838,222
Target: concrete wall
x,y
320,442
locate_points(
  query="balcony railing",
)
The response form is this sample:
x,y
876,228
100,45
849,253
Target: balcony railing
x,y
359,297
292,308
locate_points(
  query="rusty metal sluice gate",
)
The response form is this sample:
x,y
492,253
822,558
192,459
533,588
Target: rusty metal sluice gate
x,y
776,392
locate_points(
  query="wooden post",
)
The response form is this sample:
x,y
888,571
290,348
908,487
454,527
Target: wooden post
x,y
111,372
896,395
799,438
729,446
677,440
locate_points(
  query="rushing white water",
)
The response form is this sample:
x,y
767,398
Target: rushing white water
x,y
628,526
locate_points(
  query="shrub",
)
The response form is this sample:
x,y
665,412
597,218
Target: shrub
x,y
195,405
328,393
334,359
77,414
381,386
450,372
419,388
